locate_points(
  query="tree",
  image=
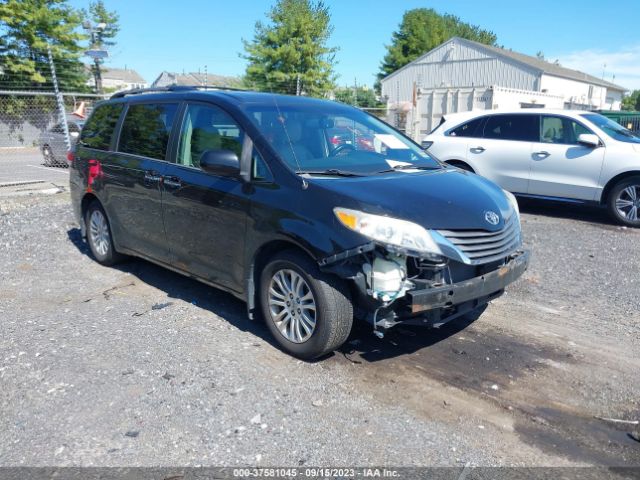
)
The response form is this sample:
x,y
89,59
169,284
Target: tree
x,y
103,27
423,29
631,101
26,26
359,96
290,55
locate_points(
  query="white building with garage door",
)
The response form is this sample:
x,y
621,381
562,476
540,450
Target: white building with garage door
x,y
462,75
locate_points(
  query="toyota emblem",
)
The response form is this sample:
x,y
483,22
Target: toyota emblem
x,y
491,217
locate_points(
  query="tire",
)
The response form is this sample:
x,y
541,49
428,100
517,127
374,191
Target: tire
x,y
49,161
624,201
99,235
320,330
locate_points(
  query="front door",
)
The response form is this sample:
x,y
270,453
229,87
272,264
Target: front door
x,y
562,167
133,178
205,215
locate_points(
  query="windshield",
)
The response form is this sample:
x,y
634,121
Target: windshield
x,y
332,139
611,128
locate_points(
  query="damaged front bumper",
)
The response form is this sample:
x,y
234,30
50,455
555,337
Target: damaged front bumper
x,y
484,286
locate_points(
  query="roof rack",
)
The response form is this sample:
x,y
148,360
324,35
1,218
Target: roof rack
x,y
173,88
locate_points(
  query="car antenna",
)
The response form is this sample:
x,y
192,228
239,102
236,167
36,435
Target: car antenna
x,y
305,184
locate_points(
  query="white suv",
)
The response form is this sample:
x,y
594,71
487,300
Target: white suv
x,y
568,155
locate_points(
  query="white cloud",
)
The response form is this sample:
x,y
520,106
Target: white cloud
x,y
623,63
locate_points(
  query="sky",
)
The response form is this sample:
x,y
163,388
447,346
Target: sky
x,y
589,35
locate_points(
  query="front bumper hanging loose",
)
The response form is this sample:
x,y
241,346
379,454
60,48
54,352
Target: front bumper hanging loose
x,y
477,287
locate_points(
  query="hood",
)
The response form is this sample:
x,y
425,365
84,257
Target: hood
x,y
448,199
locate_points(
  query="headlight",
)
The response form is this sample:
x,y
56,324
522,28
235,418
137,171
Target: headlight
x,y
391,231
513,201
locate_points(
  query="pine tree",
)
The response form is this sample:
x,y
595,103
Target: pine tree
x,y
290,55
26,27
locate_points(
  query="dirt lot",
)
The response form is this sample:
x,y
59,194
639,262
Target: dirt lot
x,y
140,366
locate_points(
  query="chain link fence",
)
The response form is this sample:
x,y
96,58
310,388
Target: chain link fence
x,y
33,140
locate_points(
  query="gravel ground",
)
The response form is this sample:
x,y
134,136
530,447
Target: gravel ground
x,y
138,366
583,264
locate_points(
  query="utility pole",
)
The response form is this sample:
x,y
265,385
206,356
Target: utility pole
x,y
96,52
59,100
298,85
206,77
355,92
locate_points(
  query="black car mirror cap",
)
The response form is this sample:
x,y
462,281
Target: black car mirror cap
x,y
220,162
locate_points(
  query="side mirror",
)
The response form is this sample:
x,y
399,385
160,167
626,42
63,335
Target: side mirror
x,y
224,163
589,140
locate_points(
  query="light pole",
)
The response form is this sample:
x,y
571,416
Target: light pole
x,y
96,52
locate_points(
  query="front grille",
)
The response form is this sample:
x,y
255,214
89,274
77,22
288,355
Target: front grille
x,y
481,246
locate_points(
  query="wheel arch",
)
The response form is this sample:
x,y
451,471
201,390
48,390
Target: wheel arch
x,y
604,198
460,164
87,199
257,263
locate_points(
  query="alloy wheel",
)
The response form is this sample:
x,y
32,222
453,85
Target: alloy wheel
x,y
292,306
99,232
628,203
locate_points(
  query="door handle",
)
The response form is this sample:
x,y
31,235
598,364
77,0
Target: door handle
x,y
151,176
543,154
477,149
172,181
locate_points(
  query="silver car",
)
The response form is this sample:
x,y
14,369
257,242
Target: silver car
x,y
566,155
53,145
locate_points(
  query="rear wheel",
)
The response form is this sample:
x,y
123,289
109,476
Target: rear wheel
x,y
49,160
624,201
308,312
99,235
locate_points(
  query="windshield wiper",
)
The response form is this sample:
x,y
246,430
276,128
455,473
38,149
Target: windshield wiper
x,y
410,167
333,172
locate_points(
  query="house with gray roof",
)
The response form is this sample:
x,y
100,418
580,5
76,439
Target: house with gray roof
x,y
116,79
462,75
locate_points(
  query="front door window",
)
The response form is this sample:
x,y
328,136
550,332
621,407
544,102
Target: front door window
x,y
204,128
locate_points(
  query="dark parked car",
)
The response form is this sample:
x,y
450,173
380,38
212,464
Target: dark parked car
x,y
244,192
53,145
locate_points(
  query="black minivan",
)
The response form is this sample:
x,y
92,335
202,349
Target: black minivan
x,y
246,192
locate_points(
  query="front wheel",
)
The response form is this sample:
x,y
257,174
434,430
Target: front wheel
x,y
308,312
624,201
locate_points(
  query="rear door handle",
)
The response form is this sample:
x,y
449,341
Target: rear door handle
x,y
172,182
477,149
543,154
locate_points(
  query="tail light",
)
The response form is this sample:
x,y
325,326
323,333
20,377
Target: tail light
x,y
95,171
70,157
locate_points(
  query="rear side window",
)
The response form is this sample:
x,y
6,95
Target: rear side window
x,y
472,128
512,127
98,130
146,129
